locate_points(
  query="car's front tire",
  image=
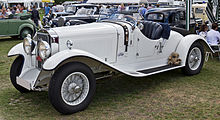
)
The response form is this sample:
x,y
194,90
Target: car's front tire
x,y
15,71
71,88
195,59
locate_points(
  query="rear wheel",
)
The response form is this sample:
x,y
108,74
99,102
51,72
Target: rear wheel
x,y
15,71
25,32
72,88
195,59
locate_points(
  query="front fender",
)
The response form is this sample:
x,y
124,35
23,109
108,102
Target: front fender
x,y
57,59
185,44
17,50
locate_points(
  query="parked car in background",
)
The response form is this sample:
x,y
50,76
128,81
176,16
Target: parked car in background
x,y
67,61
132,8
70,9
171,3
174,17
74,8
59,10
66,3
83,15
199,11
129,10
71,12
18,25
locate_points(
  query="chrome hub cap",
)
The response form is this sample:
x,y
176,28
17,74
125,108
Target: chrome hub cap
x,y
75,88
194,59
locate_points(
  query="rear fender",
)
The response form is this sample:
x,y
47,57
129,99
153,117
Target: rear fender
x,y
185,44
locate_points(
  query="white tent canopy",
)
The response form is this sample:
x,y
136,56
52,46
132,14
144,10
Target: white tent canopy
x,y
26,3
117,1
3,0
19,1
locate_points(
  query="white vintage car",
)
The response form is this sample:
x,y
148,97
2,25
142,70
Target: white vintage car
x,y
67,61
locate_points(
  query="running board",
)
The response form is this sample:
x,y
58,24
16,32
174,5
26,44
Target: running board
x,y
159,69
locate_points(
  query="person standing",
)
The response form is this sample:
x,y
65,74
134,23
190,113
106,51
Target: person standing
x,y
35,15
46,9
142,10
213,36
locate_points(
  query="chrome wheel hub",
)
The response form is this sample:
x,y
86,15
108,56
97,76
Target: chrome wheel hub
x,y
75,88
194,59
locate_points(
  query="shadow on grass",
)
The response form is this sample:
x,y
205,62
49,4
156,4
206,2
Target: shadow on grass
x,y
109,92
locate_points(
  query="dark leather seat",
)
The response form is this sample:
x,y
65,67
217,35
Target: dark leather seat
x,y
60,22
152,30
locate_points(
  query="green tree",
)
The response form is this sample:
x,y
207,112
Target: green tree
x,y
59,1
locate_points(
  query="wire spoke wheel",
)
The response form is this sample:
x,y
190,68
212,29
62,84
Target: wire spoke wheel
x,y
72,88
75,88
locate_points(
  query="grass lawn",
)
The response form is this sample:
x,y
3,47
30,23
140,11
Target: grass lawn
x,y
169,95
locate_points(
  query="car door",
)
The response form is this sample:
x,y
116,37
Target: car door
x,y
13,25
146,47
4,27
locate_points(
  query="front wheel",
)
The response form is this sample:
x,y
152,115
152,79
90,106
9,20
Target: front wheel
x,y
72,88
195,59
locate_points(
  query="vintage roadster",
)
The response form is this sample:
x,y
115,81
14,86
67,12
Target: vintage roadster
x,y
67,61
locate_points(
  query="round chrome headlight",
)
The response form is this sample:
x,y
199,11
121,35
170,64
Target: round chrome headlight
x,y
44,49
50,22
28,45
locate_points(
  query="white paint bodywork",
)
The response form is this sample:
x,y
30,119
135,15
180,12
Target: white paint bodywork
x,y
29,73
104,43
